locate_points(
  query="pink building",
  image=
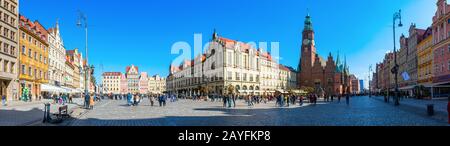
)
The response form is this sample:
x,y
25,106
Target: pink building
x,y
143,83
441,49
123,84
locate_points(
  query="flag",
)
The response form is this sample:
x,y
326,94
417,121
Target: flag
x,y
405,76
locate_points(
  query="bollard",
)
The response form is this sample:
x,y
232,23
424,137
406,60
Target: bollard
x,y
47,117
430,109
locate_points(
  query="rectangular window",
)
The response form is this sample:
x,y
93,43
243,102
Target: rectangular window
x,y
5,66
11,68
244,78
238,76
448,66
30,71
13,51
229,75
23,71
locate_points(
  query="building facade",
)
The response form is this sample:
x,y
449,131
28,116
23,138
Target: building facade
x,y
143,83
229,67
9,52
57,56
425,64
325,76
156,84
75,59
132,75
33,57
111,82
441,51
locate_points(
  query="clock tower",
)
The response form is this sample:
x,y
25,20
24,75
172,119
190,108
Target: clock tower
x,y
307,54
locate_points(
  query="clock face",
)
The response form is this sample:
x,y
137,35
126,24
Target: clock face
x,y
313,43
305,42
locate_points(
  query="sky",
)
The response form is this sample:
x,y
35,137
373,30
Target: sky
x,y
142,32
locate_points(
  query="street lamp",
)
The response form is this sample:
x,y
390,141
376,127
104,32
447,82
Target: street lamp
x,y
83,18
370,89
397,16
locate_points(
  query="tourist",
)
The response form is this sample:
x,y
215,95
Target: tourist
x,y
347,99
448,109
4,100
129,97
70,98
301,100
224,99
91,102
233,97
151,98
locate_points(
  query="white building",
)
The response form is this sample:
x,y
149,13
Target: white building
x,y
111,82
224,64
156,84
57,56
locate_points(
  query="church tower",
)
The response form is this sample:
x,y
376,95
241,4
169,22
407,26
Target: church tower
x,y
307,55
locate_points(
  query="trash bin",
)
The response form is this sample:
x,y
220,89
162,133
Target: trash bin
x,y
430,109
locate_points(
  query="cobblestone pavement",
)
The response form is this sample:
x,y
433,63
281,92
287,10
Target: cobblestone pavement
x,y
420,106
362,111
29,113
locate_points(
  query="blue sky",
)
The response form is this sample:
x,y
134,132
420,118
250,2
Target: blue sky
x,y
141,32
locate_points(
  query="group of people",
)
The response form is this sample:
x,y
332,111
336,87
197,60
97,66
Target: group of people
x,y
62,99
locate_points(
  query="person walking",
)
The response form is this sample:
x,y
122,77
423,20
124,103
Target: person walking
x,y
339,98
224,99
70,98
129,97
448,109
301,100
4,100
347,99
151,98
91,102
233,97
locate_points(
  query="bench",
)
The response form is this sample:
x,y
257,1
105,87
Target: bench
x,y
63,112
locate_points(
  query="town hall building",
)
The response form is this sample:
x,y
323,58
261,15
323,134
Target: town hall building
x,y
325,76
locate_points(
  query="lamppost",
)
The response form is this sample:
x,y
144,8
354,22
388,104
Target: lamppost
x,y
397,16
370,89
83,18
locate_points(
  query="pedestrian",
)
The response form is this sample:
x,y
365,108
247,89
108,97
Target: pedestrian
x,y
234,100
347,99
164,100
448,109
91,102
151,98
129,98
339,98
70,98
301,100
86,101
224,99
4,100
332,98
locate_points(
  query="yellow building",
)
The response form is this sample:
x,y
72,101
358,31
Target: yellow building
x,y
425,59
33,59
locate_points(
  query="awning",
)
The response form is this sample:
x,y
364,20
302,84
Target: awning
x,y
51,88
407,87
282,91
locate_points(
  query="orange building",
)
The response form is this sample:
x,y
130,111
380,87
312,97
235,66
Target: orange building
x,y
33,60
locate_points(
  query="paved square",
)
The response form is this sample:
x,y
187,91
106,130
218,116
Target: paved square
x,y
362,111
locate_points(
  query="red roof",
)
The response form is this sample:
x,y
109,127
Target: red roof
x,y
129,67
34,27
112,74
